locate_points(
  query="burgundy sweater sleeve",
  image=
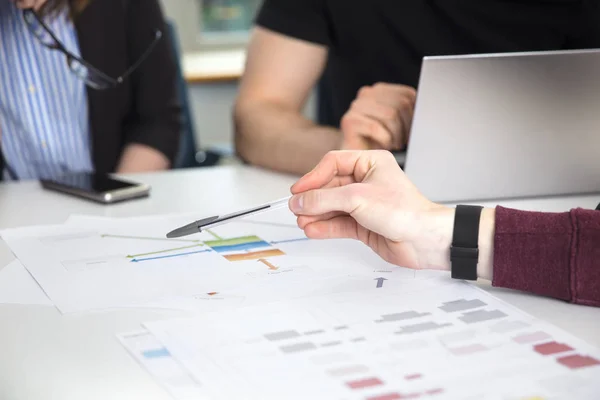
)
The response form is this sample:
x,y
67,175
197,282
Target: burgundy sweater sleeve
x,y
555,255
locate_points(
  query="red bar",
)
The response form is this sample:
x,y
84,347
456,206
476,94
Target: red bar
x,y
364,383
434,391
413,376
390,396
577,361
395,396
551,348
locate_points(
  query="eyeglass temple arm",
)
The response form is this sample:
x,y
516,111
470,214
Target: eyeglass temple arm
x,y
157,37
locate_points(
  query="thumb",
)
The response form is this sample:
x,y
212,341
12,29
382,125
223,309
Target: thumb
x,y
322,201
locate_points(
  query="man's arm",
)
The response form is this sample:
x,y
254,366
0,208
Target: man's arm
x,y
270,129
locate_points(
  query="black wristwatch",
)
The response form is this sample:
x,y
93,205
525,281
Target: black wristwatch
x,y
464,253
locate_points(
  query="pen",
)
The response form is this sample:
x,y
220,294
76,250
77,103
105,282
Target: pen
x,y
211,222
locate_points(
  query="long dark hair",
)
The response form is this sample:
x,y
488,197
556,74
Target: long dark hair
x,y
52,7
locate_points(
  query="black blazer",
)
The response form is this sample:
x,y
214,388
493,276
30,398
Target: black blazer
x,y
145,108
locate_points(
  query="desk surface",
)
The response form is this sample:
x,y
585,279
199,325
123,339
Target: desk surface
x,y
45,355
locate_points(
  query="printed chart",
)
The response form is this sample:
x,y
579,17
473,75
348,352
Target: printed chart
x,y
97,263
452,342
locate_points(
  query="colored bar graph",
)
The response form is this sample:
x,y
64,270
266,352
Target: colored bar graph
x,y
364,383
254,256
551,348
388,396
281,335
401,316
531,337
433,392
462,305
156,353
224,243
576,361
295,348
244,248
481,316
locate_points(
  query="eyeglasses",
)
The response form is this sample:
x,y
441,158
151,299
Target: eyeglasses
x,y
91,75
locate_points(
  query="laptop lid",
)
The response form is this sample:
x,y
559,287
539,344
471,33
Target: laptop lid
x,y
507,126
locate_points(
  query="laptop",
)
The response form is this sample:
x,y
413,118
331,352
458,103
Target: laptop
x,y
512,125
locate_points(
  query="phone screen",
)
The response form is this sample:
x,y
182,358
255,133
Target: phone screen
x,y
92,183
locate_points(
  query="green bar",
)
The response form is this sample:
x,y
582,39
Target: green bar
x,y
233,241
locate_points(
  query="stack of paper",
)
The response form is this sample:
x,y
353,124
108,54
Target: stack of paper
x,y
276,315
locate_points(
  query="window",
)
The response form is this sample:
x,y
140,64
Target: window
x,y
212,24
224,17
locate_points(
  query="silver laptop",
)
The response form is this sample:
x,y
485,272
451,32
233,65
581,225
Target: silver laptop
x,y
507,126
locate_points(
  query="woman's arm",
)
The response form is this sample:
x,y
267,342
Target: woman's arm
x,y
153,127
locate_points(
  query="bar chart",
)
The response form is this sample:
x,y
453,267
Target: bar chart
x,y
453,341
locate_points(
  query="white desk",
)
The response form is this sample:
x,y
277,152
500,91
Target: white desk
x,y
45,355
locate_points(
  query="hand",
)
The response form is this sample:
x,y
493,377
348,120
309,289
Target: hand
x,y
35,4
366,196
379,118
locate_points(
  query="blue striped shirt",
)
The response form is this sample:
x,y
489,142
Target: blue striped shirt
x,y
44,126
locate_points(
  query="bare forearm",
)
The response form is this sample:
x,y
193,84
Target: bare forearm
x,y
270,136
141,158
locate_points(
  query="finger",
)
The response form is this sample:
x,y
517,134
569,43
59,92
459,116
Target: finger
x,y
356,124
394,95
304,220
400,97
322,201
335,163
390,117
339,181
336,228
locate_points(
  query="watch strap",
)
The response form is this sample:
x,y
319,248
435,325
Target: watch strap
x,y
464,253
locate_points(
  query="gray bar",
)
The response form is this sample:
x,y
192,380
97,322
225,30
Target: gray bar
x,y
481,315
331,344
508,326
314,332
426,326
295,348
462,305
401,316
340,328
358,339
354,369
281,335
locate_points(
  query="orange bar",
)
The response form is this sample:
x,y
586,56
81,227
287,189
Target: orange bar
x,y
254,256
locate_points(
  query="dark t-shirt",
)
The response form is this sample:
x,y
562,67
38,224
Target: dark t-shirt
x,y
385,40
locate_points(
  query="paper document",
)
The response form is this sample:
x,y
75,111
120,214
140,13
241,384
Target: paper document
x,y
157,361
109,263
450,341
18,287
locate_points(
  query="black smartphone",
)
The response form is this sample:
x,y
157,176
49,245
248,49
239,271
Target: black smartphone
x,y
96,187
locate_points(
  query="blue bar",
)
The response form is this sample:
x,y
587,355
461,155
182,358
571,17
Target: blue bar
x,y
157,353
240,247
